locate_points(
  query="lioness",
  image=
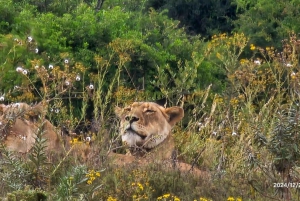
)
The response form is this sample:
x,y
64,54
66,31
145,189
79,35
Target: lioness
x,y
145,127
19,126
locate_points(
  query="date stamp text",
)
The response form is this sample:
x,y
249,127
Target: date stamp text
x,y
286,185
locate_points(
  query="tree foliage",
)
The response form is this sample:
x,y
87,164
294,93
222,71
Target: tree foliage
x,y
265,23
200,17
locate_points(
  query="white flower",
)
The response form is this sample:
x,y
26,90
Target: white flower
x,y
51,109
23,137
233,133
88,139
288,65
36,50
16,87
67,83
36,67
77,78
50,66
200,128
16,105
0,123
214,133
66,61
19,69
29,38
1,98
56,110
91,86
25,72
257,62
293,74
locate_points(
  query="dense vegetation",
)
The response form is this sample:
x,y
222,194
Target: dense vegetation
x,y
233,65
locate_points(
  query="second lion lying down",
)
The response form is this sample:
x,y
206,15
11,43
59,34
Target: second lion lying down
x,y
19,125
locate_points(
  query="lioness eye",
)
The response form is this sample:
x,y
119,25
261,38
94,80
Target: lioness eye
x,y
127,109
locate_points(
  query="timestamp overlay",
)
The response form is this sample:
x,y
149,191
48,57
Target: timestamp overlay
x,y
286,185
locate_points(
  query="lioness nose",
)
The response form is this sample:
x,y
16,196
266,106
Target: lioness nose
x,y
131,118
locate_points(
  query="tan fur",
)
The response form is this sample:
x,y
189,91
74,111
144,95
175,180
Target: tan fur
x,y
164,154
145,124
81,149
20,124
146,128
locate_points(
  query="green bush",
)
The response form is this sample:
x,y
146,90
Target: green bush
x,y
27,195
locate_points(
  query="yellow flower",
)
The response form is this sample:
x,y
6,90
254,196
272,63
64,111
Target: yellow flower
x,y
89,182
166,195
140,186
98,174
159,198
243,61
241,97
111,199
219,100
234,101
74,141
239,199
230,199
252,47
223,35
176,198
203,199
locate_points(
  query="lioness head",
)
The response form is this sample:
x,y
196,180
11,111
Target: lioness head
x,y
19,126
147,124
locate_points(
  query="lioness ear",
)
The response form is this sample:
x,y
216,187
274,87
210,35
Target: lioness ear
x,y
37,110
118,111
175,114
